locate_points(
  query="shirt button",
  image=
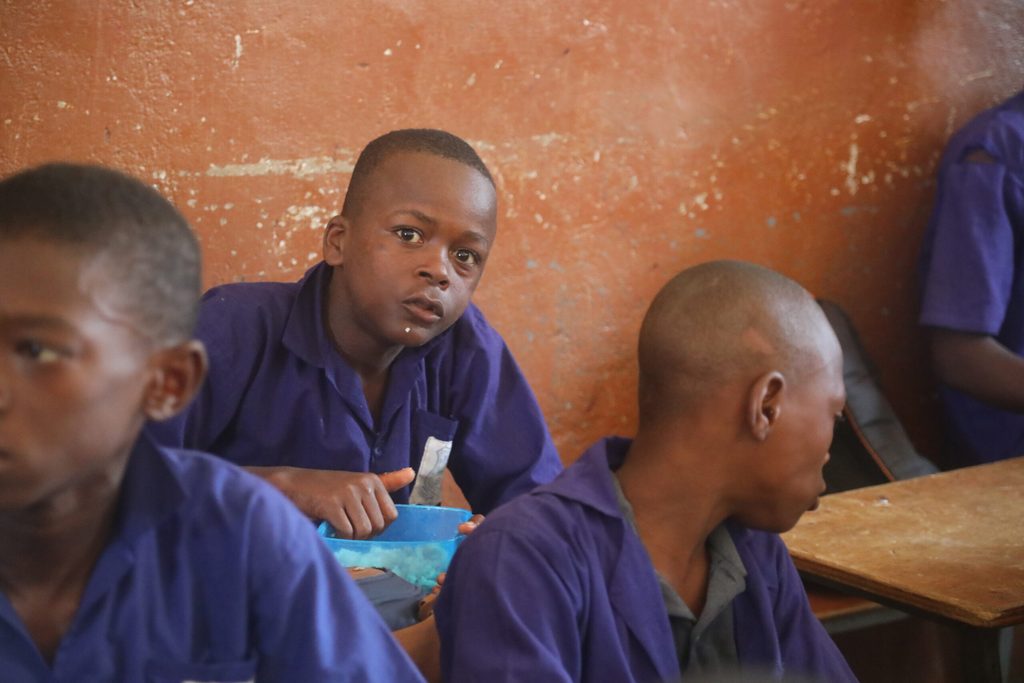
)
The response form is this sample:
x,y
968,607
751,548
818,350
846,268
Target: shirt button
x,y
377,450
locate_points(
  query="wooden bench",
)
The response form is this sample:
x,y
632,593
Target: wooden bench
x,y
839,612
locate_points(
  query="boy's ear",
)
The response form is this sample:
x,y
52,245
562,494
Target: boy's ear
x,y
337,230
178,372
764,404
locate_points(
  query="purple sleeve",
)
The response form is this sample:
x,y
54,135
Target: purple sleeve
x,y
310,622
503,447
233,348
506,613
775,628
805,646
969,268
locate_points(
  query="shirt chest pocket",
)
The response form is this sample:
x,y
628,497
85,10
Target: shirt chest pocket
x,y
205,672
432,442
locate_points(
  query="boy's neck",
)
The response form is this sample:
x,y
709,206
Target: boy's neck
x,y
676,506
46,558
56,542
370,359
366,355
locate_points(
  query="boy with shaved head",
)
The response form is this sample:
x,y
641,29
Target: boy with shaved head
x,y
659,556
375,369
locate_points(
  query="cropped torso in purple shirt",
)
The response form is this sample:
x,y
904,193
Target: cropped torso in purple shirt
x,y
971,269
210,575
556,586
279,394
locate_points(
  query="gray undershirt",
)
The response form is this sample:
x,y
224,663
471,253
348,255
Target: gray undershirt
x,y
705,644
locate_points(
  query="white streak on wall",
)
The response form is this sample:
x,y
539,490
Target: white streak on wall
x,y
851,169
238,52
298,168
545,139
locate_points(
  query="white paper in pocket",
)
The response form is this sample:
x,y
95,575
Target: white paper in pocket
x,y
427,489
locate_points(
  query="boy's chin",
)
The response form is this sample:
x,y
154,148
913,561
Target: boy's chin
x,y
776,521
412,336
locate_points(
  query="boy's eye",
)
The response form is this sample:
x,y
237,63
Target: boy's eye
x,y
411,235
467,256
37,351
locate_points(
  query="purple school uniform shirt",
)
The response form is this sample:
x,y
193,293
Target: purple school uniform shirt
x,y
278,393
556,586
210,575
972,277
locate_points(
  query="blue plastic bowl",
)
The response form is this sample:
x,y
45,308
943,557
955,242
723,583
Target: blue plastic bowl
x,y
417,546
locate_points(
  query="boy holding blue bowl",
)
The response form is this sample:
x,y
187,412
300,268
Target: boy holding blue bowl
x,y
375,369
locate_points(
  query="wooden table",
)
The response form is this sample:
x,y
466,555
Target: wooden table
x,y
948,546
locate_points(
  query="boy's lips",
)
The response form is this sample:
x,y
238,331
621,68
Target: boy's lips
x,y
424,308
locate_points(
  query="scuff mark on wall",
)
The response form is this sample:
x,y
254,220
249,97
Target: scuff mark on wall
x,y
297,168
698,202
851,169
545,139
977,75
314,216
238,53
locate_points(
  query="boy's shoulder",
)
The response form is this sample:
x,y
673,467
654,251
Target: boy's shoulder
x,y
568,511
998,130
473,328
471,339
539,533
224,512
240,299
754,538
191,467
212,486
238,320
536,513
762,552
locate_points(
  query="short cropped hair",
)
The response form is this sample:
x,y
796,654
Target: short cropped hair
x,y
427,140
108,214
716,322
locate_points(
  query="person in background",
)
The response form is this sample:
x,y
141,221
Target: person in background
x,y
121,560
375,370
359,385
972,285
660,556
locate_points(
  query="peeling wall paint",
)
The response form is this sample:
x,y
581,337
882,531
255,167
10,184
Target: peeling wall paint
x,y
628,140
298,168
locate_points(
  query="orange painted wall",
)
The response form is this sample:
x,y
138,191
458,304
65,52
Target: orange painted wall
x,y
629,139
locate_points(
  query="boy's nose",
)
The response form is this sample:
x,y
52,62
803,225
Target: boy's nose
x,y
436,271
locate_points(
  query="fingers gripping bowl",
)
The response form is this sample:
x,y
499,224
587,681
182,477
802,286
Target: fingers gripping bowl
x,y
417,546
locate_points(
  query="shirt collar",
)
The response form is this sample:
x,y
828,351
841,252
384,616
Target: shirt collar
x,y
150,491
724,555
726,574
305,333
589,480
